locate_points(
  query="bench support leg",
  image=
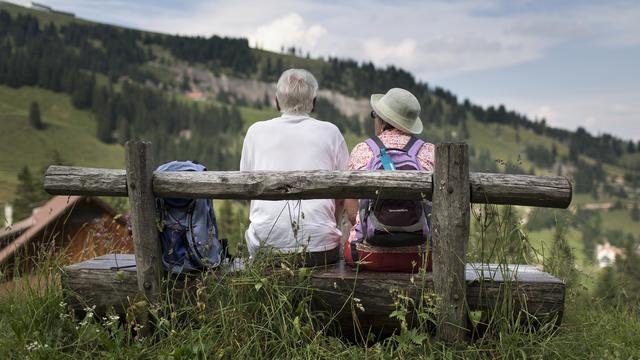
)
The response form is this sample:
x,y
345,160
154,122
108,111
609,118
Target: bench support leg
x,y
143,221
451,214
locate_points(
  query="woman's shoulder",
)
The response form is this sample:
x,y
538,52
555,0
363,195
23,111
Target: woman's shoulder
x,y
426,156
360,156
428,147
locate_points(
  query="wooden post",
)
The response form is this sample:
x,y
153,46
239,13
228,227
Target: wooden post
x,y
451,213
143,219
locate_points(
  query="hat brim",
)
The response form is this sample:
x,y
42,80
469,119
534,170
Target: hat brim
x,y
415,128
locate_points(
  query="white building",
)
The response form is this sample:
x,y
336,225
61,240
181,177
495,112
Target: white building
x,y
40,7
606,254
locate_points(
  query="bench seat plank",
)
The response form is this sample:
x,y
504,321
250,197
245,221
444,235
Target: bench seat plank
x,y
110,280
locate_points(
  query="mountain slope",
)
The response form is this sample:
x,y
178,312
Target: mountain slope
x,y
69,131
99,85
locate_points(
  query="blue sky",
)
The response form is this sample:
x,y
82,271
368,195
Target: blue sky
x,y
574,63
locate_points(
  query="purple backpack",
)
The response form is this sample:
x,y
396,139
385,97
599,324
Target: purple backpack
x,y
388,222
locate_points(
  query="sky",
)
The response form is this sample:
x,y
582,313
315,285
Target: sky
x,y
574,63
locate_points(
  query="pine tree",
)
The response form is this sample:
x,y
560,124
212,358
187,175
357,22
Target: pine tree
x,y
631,147
34,116
27,195
635,211
607,285
561,261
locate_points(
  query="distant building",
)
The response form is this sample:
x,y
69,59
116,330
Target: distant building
x,y
8,214
73,227
49,9
606,254
40,7
196,95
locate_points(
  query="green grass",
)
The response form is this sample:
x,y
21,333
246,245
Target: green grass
x,y
251,115
68,130
503,143
542,239
264,314
620,220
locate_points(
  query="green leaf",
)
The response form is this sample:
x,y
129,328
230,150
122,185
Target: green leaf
x,y
415,337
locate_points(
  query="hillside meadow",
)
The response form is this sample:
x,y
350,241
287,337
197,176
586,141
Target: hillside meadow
x,y
265,313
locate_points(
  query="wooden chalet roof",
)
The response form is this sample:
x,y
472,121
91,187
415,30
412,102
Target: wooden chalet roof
x,y
44,216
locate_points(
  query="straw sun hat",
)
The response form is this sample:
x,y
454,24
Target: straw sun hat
x,y
399,108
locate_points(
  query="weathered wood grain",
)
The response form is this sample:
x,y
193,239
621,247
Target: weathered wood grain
x,y
98,282
287,185
450,232
485,188
505,189
73,180
143,218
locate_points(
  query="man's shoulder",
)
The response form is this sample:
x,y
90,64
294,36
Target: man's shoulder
x,y
326,126
258,125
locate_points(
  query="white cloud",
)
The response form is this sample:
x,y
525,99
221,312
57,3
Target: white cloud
x,y
289,30
545,112
435,40
380,52
597,113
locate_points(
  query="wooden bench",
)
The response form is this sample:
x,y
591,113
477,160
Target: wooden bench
x,y
110,281
451,187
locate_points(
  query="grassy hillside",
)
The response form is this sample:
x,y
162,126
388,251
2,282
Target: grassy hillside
x,y
68,130
72,132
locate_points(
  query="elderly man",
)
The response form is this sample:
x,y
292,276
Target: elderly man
x,y
295,141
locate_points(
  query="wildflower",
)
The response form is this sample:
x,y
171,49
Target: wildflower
x,y
113,319
163,322
34,346
286,268
62,304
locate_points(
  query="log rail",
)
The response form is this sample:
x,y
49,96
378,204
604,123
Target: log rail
x,y
504,189
452,188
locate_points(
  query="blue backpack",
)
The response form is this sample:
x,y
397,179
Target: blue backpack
x,y
188,229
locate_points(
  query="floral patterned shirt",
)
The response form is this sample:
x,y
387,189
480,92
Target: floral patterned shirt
x,y
392,138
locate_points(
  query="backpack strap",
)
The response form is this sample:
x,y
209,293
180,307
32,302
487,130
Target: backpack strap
x,y
413,146
375,144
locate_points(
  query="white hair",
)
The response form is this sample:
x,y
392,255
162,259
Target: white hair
x,y
295,91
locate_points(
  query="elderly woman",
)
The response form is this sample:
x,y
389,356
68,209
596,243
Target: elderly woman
x,y
394,237
295,141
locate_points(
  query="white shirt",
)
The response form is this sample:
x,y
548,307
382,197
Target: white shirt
x,y
293,142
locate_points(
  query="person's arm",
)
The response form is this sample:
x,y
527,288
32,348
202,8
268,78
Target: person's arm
x,y
246,157
342,159
355,162
339,211
351,206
